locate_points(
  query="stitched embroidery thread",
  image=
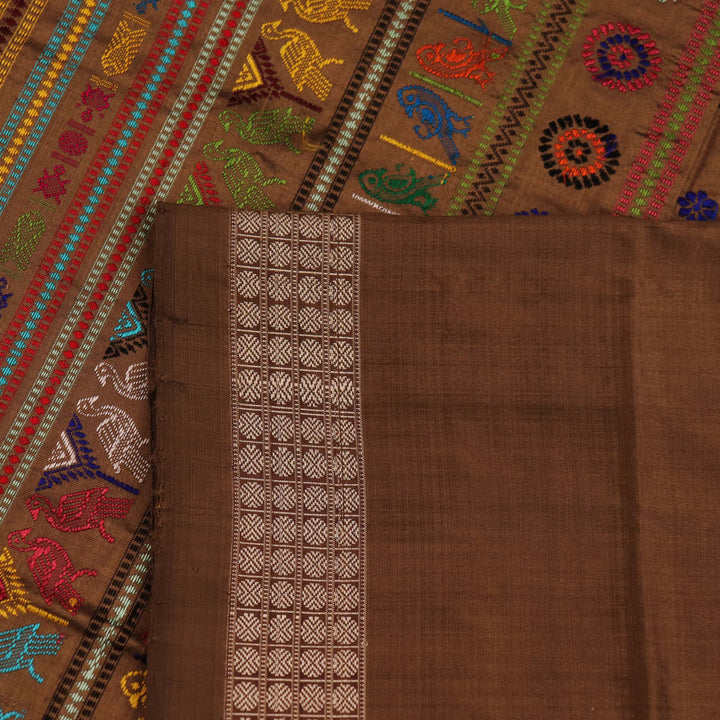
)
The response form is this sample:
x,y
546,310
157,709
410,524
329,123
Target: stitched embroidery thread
x,y
697,206
52,186
502,9
302,58
130,333
199,188
135,384
401,188
461,60
325,11
52,569
134,687
22,241
268,127
14,598
243,176
73,459
79,511
435,117
119,436
20,647
579,151
124,44
621,57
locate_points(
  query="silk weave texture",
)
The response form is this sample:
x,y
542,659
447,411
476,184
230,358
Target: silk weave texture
x,y
492,434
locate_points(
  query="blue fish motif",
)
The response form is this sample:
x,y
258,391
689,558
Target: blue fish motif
x,y
436,119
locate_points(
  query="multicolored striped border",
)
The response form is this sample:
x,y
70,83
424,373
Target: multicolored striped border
x,y
676,121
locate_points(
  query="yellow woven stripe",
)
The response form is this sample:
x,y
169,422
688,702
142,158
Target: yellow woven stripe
x,y
19,37
52,74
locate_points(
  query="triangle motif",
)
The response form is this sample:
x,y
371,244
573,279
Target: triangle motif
x,y
130,333
249,76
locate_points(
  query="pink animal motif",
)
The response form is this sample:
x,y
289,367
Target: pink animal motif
x,y
82,510
52,569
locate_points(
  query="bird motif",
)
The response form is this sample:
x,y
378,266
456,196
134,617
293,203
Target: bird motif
x,y
243,176
52,569
19,648
119,435
324,11
268,127
135,384
82,510
302,58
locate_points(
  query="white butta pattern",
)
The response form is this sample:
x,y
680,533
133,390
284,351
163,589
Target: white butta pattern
x,y
296,641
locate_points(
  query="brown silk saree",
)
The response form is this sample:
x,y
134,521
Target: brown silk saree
x,y
420,470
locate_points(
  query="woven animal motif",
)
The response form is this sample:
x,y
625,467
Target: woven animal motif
x,y
82,510
400,188
124,44
52,569
461,60
324,11
134,386
243,176
435,116
20,647
302,58
11,715
22,241
268,127
119,435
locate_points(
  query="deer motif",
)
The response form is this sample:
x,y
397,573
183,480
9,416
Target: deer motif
x,y
135,384
302,58
242,175
324,11
52,569
82,510
119,435
20,647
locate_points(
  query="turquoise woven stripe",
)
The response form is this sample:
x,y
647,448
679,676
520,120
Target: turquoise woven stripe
x,y
55,96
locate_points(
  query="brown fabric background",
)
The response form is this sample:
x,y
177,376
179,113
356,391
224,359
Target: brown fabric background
x,y
193,501
541,447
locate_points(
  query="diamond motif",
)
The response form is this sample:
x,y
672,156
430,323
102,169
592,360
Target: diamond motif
x,y
279,317
279,254
283,462
250,460
345,663
314,564
345,630
311,390
281,427
251,494
250,425
313,430
283,530
315,498
313,630
346,564
345,698
281,629
283,562
281,387
247,627
280,351
312,663
312,698
346,597
315,531
248,314
314,596
311,353
279,662
314,463
282,595
248,283
283,497
246,660
252,527
341,355
245,696
310,289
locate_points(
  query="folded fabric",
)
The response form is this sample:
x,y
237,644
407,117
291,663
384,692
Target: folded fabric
x,y
435,469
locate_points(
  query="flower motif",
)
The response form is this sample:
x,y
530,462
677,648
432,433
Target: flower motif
x,y
578,151
697,206
621,57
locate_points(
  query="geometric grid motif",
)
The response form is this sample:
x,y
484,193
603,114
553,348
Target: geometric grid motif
x,y
296,631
